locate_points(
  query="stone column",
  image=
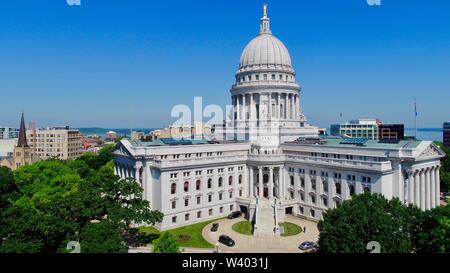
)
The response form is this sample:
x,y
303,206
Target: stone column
x,y
291,104
244,108
287,106
298,105
252,185
251,107
416,188
427,189
294,103
261,185
137,169
411,187
432,188
279,106
331,192
269,99
319,192
270,182
344,188
280,183
149,183
438,186
238,107
422,190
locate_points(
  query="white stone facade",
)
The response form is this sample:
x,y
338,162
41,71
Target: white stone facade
x,y
305,177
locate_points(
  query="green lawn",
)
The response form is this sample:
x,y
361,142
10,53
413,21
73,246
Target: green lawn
x,y
188,236
290,229
243,227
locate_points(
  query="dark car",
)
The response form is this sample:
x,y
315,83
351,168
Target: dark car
x,y
315,249
234,214
215,227
307,245
226,240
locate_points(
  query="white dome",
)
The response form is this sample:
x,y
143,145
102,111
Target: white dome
x,y
265,50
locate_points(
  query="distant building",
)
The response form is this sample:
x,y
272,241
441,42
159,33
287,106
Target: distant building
x,y
89,143
197,131
22,152
361,128
60,142
446,137
7,147
391,131
111,136
9,132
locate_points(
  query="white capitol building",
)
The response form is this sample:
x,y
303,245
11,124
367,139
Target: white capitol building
x,y
279,165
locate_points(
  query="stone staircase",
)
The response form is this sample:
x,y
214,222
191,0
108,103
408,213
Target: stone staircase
x,y
265,218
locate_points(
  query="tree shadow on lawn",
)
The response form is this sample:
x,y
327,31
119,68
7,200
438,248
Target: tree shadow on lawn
x,y
134,238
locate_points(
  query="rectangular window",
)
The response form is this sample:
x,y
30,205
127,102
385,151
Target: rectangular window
x,y
199,214
210,212
174,204
174,219
186,217
186,202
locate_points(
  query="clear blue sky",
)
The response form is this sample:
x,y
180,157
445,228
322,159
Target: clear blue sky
x,y
125,63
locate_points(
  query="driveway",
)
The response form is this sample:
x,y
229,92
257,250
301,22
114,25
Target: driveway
x,y
261,244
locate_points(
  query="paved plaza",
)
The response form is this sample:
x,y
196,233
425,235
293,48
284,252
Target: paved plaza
x,y
263,243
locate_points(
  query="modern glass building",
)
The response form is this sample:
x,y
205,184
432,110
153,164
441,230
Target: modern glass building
x,y
8,132
446,136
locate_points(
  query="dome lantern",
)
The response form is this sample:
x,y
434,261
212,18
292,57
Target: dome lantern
x,y
265,22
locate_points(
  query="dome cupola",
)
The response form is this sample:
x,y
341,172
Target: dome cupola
x,y
265,51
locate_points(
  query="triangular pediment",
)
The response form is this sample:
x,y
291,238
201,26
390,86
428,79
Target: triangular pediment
x,y
431,151
120,149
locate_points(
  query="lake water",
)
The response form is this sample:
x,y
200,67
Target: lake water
x,y
431,134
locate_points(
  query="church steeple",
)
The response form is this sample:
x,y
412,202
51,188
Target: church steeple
x,y
22,134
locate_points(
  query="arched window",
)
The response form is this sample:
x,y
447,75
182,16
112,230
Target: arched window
x,y
173,188
209,183
220,181
230,180
240,179
338,188
352,189
197,185
186,186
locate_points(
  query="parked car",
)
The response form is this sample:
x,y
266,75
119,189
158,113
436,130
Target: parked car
x,y
215,227
234,214
307,245
226,240
315,249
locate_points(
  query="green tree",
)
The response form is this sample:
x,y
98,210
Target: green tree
x,y
8,187
96,161
166,243
51,201
125,200
445,167
365,218
102,237
433,234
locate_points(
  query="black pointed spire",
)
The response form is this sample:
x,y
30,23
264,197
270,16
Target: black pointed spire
x,y
22,134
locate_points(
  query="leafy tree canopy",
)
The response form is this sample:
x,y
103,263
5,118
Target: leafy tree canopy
x,y
166,243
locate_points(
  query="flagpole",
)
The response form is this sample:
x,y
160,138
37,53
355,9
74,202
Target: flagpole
x,y
415,118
